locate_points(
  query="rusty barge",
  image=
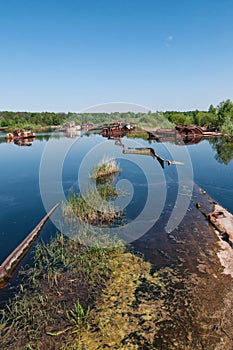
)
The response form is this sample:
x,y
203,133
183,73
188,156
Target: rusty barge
x,y
117,129
20,134
182,134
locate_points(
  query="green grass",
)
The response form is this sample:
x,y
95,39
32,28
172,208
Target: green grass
x,y
105,168
56,294
92,207
77,297
78,316
70,284
140,134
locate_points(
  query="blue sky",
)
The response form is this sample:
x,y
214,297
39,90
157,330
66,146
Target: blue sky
x,y
67,55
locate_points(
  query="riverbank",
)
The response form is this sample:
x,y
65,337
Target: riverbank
x,y
221,221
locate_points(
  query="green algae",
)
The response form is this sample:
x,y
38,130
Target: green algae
x,y
76,297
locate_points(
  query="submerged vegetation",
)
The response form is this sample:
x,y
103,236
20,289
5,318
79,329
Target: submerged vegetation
x,y
56,294
84,297
92,207
95,205
94,297
76,297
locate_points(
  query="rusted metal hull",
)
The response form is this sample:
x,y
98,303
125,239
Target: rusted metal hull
x,y
116,130
20,134
15,257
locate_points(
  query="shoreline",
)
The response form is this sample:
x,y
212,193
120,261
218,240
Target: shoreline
x,y
221,221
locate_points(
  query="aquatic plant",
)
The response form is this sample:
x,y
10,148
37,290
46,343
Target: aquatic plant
x,y
103,297
46,306
92,207
138,133
78,316
105,168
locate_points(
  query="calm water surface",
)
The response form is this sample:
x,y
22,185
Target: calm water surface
x,y
184,257
21,207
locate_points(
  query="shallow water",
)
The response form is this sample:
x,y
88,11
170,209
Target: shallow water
x,y
21,192
21,207
159,207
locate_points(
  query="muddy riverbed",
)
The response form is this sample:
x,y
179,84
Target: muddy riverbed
x,y
198,296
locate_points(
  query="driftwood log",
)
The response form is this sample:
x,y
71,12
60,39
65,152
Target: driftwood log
x,y
15,257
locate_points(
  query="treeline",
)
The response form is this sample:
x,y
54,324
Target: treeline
x,y
36,120
30,120
219,118
140,119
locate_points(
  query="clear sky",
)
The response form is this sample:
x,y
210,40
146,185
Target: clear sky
x,y
67,55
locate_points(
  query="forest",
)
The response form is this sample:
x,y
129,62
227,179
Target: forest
x,y
216,118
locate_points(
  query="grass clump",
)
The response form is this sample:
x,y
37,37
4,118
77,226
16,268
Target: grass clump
x,y
78,316
93,207
105,168
138,133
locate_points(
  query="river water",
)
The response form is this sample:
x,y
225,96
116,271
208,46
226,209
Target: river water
x,y
21,207
36,176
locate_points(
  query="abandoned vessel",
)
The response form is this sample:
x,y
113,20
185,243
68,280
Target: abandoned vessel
x,y
20,134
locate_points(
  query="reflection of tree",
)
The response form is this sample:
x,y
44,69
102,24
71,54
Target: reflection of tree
x,y
224,149
39,137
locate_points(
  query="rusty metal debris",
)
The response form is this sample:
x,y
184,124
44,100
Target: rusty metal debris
x,y
10,263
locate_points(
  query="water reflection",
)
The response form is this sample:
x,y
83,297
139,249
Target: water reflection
x,y
20,210
172,136
39,137
72,133
224,149
24,142
223,146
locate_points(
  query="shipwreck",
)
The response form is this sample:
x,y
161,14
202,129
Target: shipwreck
x,y
20,134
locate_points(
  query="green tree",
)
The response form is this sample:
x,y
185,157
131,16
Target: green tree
x,y
212,109
3,122
224,110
